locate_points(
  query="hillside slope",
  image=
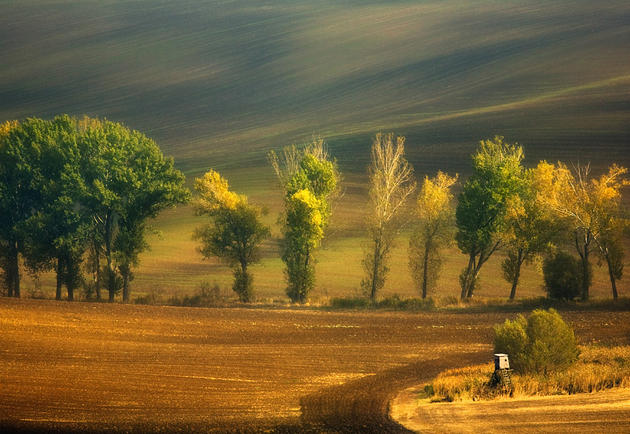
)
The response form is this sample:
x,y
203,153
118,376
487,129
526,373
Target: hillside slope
x,y
213,81
219,83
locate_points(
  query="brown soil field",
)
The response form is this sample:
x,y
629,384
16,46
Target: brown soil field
x,y
100,367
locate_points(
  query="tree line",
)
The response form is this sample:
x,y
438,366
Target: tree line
x,y
78,194
529,213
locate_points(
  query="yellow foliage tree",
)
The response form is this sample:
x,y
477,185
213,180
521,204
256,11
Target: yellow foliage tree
x,y
434,229
235,230
591,207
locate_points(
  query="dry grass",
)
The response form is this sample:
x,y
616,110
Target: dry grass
x,y
598,368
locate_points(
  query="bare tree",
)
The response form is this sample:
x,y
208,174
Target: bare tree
x,y
391,183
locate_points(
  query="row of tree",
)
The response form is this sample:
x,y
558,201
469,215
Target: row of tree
x,y
528,213
78,193
79,190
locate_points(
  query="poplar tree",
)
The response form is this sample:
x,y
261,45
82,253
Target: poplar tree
x,y
391,183
435,227
309,180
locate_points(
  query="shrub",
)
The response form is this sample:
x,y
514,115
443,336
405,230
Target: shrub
x,y
541,343
206,296
562,275
349,303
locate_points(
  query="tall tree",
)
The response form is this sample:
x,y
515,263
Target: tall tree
x,y
435,227
39,190
391,183
483,204
235,231
529,229
57,233
591,209
128,181
17,200
309,179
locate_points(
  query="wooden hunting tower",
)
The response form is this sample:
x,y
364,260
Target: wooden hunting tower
x,y
501,361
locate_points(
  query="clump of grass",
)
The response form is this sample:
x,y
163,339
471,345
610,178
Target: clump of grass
x,y
388,303
349,303
151,298
598,368
206,296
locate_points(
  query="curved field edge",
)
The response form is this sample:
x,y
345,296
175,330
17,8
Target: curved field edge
x,y
604,411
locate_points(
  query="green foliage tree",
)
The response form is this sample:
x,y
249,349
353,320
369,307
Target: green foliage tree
x,y
541,343
40,192
128,181
235,232
309,179
391,183
562,275
529,229
487,195
435,228
17,200
57,233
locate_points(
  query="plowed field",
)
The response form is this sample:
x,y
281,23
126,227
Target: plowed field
x,y
81,366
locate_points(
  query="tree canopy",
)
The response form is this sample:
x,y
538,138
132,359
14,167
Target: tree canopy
x,y
67,183
495,184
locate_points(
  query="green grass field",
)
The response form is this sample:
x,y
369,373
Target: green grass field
x,y
218,84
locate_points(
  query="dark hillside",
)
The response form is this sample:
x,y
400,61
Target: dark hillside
x,y
218,83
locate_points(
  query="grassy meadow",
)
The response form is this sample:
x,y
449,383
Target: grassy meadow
x,y
219,84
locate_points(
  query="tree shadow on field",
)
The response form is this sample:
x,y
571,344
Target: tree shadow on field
x,y
363,405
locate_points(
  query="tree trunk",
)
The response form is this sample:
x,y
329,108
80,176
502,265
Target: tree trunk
x,y
611,274
111,274
468,272
471,283
517,273
425,265
585,276
70,288
125,277
59,271
377,244
97,265
14,270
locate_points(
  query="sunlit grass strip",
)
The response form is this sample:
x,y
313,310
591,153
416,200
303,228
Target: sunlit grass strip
x,y
598,368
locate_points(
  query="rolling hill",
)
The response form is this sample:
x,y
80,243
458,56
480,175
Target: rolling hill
x,y
219,83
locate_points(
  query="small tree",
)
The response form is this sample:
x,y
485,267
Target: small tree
x,y
562,275
434,229
483,204
235,232
310,182
541,343
391,183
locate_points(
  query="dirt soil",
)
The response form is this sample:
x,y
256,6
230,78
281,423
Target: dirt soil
x,y
100,367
